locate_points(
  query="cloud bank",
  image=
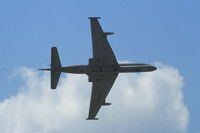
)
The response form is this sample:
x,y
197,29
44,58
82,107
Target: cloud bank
x,y
143,103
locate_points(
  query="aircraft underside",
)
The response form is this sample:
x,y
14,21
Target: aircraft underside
x,y
102,69
86,69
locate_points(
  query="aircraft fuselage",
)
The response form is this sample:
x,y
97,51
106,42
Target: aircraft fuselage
x,y
102,69
121,68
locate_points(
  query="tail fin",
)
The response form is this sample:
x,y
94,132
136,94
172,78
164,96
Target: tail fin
x,y
55,67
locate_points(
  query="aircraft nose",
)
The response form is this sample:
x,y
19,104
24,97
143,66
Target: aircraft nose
x,y
153,68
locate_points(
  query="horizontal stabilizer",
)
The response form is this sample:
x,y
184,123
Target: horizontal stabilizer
x,y
55,75
55,67
55,60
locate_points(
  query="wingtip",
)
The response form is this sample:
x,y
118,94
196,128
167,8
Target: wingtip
x,y
94,17
92,118
53,47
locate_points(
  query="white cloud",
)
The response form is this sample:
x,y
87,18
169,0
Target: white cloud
x,y
146,103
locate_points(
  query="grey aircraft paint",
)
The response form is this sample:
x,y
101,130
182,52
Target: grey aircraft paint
x,y
102,69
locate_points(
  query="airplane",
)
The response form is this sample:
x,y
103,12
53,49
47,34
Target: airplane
x,y
102,70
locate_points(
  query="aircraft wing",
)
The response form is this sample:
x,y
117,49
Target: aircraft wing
x,y
102,52
100,89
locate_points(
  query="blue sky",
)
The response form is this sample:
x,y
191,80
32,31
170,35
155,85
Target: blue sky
x,y
145,31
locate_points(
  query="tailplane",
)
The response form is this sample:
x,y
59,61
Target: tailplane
x,y
55,68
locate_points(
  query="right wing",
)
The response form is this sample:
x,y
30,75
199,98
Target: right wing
x,y
102,52
100,89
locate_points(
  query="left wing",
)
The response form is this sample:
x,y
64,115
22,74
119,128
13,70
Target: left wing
x,y
101,86
102,51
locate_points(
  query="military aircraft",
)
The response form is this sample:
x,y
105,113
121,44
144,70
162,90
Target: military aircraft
x,y
102,69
